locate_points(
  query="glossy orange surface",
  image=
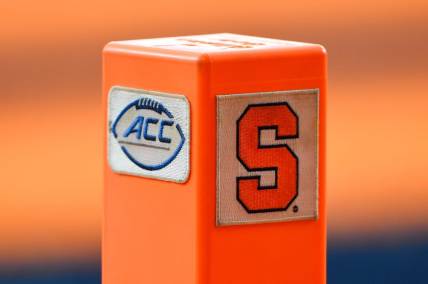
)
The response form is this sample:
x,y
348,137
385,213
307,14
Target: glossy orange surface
x,y
163,232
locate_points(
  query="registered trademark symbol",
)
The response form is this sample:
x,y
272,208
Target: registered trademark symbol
x,y
295,208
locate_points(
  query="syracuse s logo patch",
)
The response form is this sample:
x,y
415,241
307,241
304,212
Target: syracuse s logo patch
x,y
152,132
277,158
267,171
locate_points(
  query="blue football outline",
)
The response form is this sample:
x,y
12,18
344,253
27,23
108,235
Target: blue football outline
x,y
147,103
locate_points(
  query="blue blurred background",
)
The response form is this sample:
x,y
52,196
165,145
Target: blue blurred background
x,y
51,116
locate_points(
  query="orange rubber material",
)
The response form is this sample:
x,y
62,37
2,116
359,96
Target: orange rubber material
x,y
160,232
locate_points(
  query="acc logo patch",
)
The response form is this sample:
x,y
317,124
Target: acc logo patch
x,y
149,134
267,157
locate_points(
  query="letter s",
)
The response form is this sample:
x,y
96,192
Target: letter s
x,y
256,157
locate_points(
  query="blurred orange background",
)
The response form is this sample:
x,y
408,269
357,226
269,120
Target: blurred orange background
x,y
51,146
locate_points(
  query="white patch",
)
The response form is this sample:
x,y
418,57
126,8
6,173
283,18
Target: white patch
x,y
267,157
148,134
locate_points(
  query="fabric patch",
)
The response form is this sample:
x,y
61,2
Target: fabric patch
x,y
267,157
148,134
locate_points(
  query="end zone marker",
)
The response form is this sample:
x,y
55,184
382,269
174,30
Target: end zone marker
x,y
214,161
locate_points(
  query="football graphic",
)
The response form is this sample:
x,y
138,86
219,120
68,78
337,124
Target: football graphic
x,y
148,134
